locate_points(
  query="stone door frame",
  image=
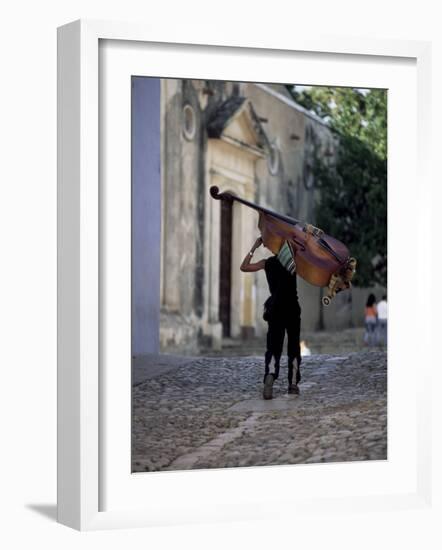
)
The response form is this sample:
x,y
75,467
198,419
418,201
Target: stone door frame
x,y
231,167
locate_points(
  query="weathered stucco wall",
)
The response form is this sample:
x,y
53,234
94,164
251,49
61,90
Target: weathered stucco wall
x,y
282,180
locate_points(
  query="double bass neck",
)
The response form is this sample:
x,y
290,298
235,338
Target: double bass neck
x,y
214,192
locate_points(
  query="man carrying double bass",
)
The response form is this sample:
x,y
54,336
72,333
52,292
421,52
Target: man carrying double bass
x,y
283,315
299,249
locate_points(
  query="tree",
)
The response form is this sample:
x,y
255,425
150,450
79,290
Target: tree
x,y
353,192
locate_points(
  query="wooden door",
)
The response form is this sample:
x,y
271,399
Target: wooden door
x,y
225,275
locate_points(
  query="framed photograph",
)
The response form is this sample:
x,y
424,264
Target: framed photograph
x,y
226,213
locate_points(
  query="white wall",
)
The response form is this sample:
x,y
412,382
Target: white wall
x,y
28,277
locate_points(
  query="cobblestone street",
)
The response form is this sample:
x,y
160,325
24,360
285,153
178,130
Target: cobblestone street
x,y
208,412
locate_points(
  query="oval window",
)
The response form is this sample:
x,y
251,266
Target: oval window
x,y
273,160
189,122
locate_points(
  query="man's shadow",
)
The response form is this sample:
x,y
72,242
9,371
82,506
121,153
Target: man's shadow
x,y
47,510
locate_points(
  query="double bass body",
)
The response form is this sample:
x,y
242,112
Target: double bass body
x,y
321,260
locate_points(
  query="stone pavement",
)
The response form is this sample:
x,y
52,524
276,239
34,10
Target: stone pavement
x,y
208,412
320,342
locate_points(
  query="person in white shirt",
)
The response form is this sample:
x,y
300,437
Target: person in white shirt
x,y
382,310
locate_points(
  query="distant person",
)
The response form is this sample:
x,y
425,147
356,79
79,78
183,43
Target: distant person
x,y
370,320
382,310
305,351
283,314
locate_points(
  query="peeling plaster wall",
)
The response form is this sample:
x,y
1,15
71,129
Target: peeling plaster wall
x,y
292,190
289,188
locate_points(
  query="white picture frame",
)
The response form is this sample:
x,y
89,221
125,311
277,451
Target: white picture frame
x,y
80,393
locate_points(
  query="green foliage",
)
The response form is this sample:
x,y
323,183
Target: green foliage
x,y
353,193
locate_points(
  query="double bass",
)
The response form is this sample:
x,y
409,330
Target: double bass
x,y
318,258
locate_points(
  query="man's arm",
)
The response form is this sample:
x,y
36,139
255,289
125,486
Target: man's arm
x,y
248,267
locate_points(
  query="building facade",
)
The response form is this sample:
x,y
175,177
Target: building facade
x,y
254,141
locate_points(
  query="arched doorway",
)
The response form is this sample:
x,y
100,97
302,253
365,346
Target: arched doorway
x,y
225,268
